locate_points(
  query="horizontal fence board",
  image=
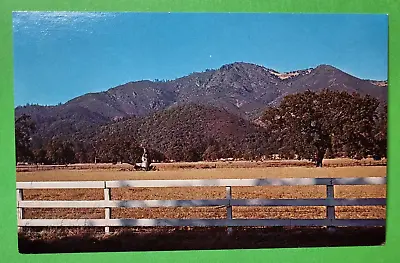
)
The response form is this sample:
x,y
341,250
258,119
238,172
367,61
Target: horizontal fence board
x,y
218,182
199,183
198,222
247,182
62,204
201,203
359,181
170,222
122,203
60,185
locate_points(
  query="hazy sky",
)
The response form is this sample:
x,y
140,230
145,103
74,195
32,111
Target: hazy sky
x,y
61,55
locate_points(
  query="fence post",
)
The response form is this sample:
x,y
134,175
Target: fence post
x,y
20,211
107,211
330,209
229,207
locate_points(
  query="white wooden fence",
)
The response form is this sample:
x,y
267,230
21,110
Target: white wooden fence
x,y
329,202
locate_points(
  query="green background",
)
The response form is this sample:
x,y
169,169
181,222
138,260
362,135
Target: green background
x,y
8,238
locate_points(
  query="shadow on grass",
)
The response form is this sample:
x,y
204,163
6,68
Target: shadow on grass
x,y
164,239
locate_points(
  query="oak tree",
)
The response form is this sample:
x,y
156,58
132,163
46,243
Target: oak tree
x,y
310,123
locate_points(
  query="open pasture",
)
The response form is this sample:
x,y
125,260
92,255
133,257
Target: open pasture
x,y
338,162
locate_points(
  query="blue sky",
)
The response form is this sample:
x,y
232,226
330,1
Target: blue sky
x,y
61,55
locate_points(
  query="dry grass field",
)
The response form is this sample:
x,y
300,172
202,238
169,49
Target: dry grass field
x,y
338,162
268,192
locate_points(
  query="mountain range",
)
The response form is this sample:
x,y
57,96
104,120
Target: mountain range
x,y
240,89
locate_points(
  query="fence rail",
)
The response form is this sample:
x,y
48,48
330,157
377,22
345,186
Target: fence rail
x,y
329,202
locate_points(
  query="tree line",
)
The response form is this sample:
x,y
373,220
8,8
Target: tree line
x,y
308,125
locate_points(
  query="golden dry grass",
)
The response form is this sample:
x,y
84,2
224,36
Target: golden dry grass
x,y
269,192
264,172
338,162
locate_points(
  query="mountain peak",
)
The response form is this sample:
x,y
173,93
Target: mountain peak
x,y
326,67
240,65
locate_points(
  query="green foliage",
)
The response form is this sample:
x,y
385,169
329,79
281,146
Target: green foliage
x,y
117,148
60,152
24,127
193,133
311,123
380,131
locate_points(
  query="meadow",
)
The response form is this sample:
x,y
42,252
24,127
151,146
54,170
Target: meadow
x,y
202,171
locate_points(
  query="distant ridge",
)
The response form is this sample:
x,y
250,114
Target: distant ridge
x,y
242,89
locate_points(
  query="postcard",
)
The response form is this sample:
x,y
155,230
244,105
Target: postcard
x,y
199,131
